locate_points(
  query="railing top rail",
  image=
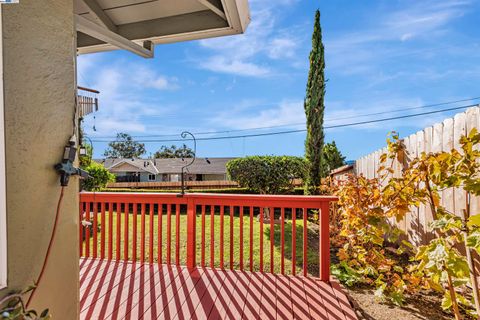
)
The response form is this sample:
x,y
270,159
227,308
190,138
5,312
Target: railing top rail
x,y
207,196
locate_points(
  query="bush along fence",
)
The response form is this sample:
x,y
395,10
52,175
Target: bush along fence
x,y
443,136
380,208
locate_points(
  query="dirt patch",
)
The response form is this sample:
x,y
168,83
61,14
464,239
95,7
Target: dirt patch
x,y
426,305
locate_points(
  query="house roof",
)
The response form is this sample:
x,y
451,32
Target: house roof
x,y
130,165
343,169
106,24
169,165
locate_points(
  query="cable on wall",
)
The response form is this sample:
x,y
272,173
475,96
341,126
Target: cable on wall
x,y
47,255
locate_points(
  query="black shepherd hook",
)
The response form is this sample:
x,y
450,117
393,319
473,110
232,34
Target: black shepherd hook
x,y
184,136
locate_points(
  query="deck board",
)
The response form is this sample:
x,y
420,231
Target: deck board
x,y
125,290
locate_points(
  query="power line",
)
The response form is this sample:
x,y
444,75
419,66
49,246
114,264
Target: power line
x,y
302,124
304,130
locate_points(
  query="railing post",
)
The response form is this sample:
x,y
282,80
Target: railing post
x,y
191,232
324,245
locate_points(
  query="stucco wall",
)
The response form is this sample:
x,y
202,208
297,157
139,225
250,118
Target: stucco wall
x,y
39,84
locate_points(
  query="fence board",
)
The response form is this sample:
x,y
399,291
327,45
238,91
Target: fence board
x,y
460,194
422,208
448,198
428,136
414,234
473,121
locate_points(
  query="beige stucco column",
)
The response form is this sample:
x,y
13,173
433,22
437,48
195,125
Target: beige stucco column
x,y
39,85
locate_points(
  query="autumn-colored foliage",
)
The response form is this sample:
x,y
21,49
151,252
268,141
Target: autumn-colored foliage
x,y
370,207
367,254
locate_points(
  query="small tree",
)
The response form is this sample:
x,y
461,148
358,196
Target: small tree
x,y
314,109
99,177
124,147
266,174
332,158
174,152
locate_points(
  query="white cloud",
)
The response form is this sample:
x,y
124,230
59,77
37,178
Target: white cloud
x,y
246,115
282,47
238,67
338,113
240,54
146,78
122,103
362,51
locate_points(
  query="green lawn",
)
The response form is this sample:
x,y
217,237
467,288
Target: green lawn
x,y
312,235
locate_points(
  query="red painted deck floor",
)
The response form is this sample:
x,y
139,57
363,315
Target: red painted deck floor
x,y
124,290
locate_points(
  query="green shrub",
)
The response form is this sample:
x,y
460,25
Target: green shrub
x,y
99,177
267,174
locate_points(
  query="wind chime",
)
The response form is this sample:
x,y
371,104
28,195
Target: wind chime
x,y
87,100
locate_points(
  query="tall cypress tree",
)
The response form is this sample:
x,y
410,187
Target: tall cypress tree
x,y
314,109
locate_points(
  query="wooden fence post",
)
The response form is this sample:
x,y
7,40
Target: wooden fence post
x,y
324,245
191,232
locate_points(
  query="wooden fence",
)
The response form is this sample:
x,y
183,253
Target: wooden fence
x,y
176,185
442,136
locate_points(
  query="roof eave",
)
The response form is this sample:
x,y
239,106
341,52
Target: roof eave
x,y
237,14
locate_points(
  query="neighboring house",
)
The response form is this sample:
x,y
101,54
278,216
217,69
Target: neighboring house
x,y
168,169
341,174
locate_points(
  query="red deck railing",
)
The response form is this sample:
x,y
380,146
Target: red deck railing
x,y
109,229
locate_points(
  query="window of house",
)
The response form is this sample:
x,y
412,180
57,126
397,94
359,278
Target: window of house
x,y
151,177
3,207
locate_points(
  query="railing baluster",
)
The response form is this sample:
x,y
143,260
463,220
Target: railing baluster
x,y
305,244
241,237
272,238
251,238
102,230
169,233
212,239
177,234
262,213
134,226
203,237
119,228
142,233
126,212
95,229
294,240
87,232
159,232
222,235
231,236
110,231
81,228
282,241
191,233
150,229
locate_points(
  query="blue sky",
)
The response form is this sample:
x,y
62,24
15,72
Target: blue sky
x,y
381,56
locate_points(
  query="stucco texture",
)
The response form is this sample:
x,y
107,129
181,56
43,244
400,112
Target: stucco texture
x,y
39,85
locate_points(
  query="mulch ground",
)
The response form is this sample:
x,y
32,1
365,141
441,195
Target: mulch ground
x,y
426,305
